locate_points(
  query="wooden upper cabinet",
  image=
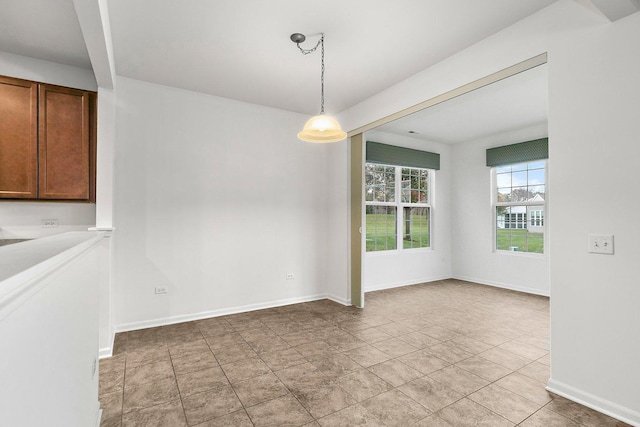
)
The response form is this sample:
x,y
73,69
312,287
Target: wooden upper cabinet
x,y
18,138
47,141
64,150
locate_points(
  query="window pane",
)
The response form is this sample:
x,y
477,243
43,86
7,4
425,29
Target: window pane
x,y
504,194
519,194
503,169
503,179
520,228
380,183
406,190
415,227
519,179
380,228
519,167
536,242
537,190
536,177
390,184
415,182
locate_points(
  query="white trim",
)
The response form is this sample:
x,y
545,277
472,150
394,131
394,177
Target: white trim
x,y
392,204
509,286
339,300
599,404
125,327
515,204
105,352
505,252
410,282
99,417
108,351
469,87
388,252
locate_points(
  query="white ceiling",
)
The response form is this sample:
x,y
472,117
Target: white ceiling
x,y
511,104
241,49
43,29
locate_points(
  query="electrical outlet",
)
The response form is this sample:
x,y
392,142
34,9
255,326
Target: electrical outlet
x,y
161,290
49,223
601,244
290,276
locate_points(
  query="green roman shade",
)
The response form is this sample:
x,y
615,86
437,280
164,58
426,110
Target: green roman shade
x,y
400,156
537,149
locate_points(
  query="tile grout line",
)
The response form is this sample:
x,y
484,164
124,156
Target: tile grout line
x,y
227,377
175,376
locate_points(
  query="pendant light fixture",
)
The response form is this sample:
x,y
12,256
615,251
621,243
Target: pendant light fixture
x,y
320,128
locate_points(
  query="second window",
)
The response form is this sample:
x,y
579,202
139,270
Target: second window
x,y
398,207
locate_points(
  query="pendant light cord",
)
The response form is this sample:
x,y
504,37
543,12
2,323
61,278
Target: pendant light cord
x,y
322,75
313,49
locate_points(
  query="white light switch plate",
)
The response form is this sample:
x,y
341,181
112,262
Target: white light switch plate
x,y
601,244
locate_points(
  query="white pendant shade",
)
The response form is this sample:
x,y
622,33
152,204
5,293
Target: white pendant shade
x,y
322,129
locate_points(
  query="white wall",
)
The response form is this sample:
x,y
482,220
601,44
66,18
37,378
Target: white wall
x,y
472,221
216,200
105,157
106,328
104,211
383,270
595,132
24,67
23,219
337,278
49,336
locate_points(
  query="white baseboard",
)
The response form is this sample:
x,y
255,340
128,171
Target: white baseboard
x,y
105,352
216,313
339,300
99,417
412,282
503,285
589,400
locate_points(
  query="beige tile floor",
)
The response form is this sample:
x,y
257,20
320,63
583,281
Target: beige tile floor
x,y
447,353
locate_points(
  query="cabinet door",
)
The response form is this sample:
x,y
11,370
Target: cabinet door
x,y
64,144
18,138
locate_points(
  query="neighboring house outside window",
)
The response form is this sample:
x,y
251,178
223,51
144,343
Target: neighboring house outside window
x,y
398,207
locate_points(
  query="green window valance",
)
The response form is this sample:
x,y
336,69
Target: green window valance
x,y
537,149
400,156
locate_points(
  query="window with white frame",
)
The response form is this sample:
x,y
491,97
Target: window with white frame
x,y
519,206
398,207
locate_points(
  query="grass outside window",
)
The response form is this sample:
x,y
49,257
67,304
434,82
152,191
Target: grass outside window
x,y
381,228
519,241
